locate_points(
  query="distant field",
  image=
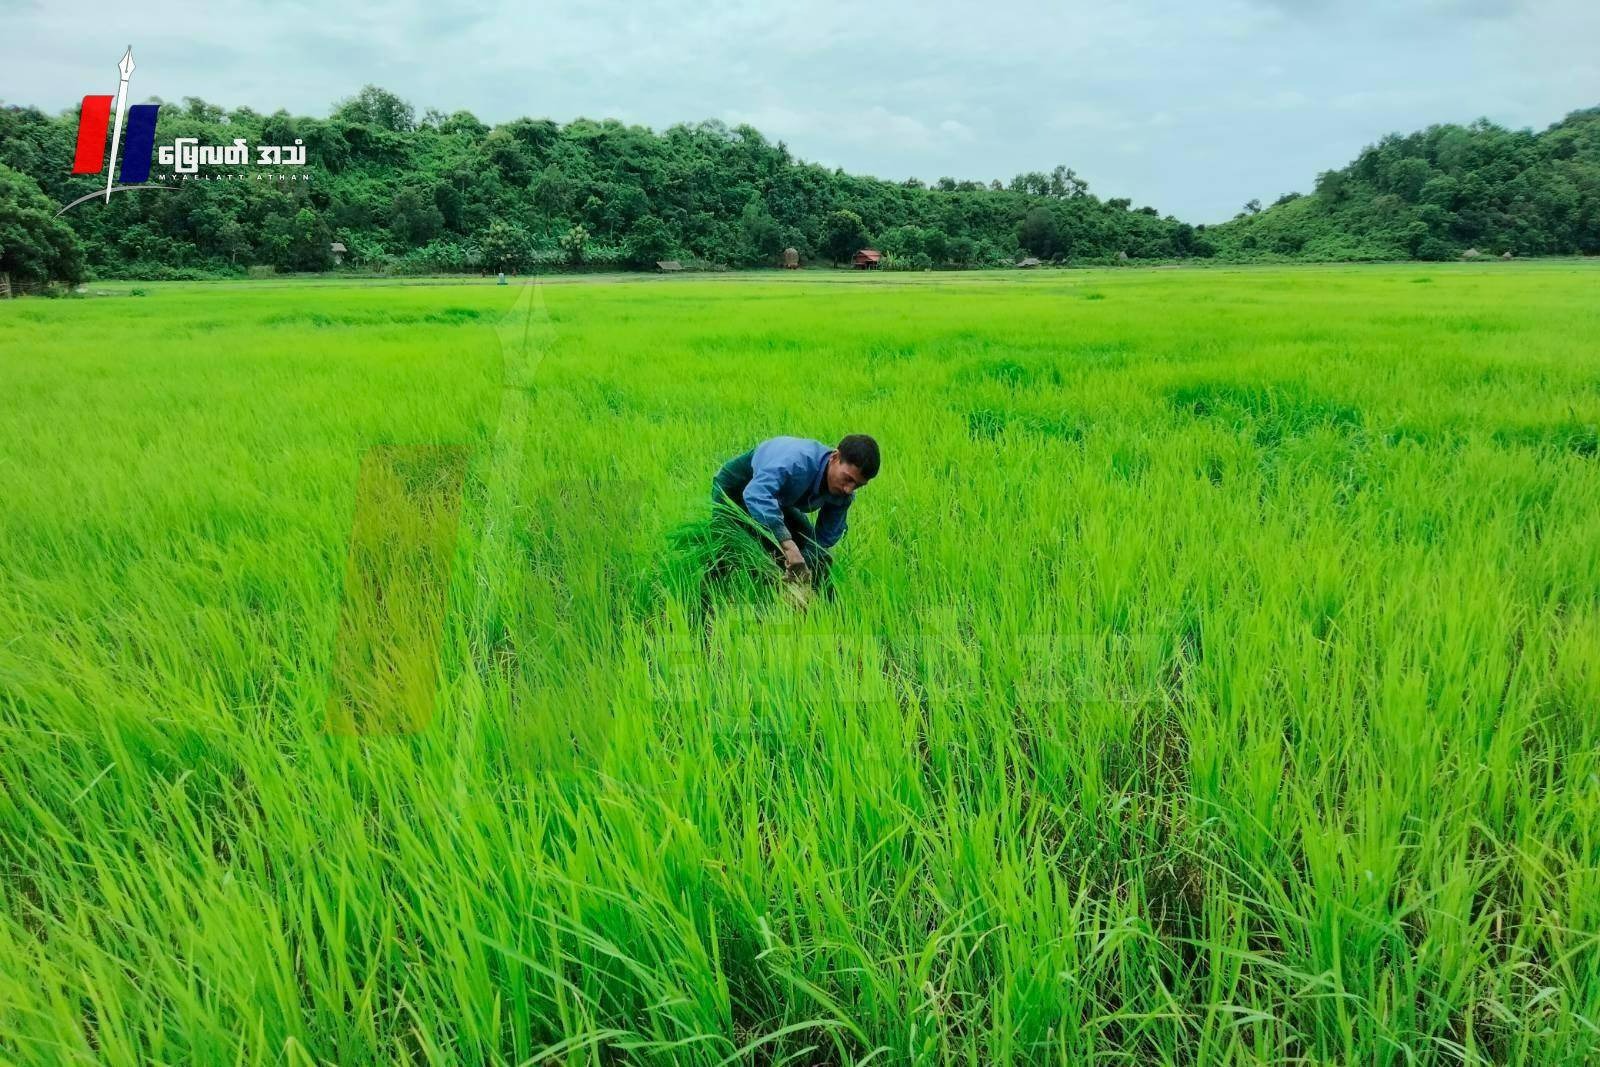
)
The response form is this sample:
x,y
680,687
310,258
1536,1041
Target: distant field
x,y
1213,674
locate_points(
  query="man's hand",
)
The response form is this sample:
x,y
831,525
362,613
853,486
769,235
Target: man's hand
x,y
794,563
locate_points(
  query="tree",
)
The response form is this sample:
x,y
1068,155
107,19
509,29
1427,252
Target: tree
x,y
963,251
35,246
843,234
373,106
1065,183
649,242
902,242
508,157
1183,239
1408,176
414,217
552,192
300,241
217,232
463,122
1039,233
1332,185
1033,183
1440,191
504,246
763,236
575,243
538,136
197,109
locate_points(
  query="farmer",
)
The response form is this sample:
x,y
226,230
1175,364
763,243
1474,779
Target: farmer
x,y
783,478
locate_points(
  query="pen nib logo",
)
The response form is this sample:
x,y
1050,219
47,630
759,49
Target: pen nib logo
x,y
133,135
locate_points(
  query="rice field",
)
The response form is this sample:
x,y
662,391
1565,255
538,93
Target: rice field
x,y
1211,676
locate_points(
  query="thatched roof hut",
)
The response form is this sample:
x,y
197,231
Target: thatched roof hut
x,y
1472,253
1028,263
665,265
791,259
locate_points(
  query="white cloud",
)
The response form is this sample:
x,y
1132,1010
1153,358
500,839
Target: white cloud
x,y
1385,100
1086,116
955,131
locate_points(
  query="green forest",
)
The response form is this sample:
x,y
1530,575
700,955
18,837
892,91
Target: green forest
x,y
442,193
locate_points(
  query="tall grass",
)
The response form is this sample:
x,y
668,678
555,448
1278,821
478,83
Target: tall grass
x,y
1211,675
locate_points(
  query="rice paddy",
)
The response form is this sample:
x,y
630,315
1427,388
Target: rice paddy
x,y
1210,676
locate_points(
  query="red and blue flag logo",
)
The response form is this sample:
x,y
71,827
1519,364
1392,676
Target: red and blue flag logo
x,y
135,143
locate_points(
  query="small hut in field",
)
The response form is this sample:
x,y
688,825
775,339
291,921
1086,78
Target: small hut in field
x,y
668,265
791,259
867,259
1122,257
338,249
1472,253
1027,264
1507,255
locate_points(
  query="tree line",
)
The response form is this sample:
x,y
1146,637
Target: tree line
x,y
441,192
1434,194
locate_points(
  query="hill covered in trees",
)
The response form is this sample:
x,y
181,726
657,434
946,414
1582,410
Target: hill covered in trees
x,y
1433,194
449,192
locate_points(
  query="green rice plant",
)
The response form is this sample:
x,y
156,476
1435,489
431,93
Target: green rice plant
x,y
402,545
1209,675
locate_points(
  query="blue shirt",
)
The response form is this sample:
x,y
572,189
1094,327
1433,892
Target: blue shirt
x,y
787,473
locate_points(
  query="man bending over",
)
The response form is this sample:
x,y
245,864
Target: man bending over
x,y
782,479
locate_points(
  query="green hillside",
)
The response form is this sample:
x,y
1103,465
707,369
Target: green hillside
x,y
1436,194
451,193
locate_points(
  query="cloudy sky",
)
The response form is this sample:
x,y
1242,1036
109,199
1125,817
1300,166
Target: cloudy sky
x,y
1193,107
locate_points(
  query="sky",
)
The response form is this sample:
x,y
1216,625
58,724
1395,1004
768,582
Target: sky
x,y
1190,107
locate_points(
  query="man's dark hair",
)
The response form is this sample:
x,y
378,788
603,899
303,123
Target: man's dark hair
x,y
861,452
